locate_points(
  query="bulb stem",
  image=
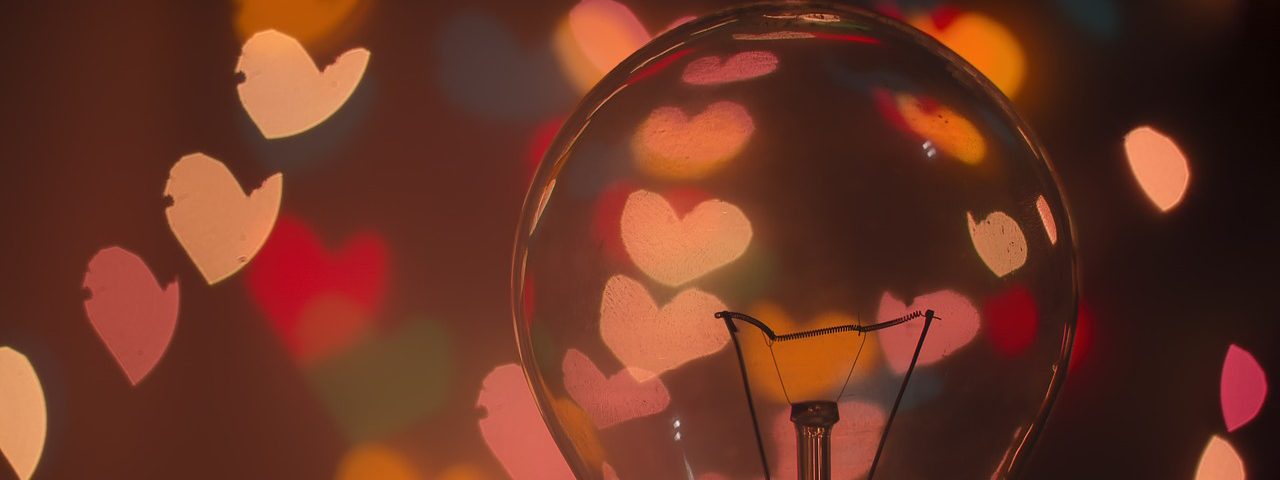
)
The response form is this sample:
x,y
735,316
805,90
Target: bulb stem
x,y
814,420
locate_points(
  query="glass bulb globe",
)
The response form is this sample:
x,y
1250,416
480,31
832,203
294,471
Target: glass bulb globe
x,y
878,230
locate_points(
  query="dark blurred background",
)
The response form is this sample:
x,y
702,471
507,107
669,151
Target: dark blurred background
x,y
398,213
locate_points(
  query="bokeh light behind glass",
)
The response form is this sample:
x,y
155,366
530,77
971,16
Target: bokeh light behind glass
x,y
876,172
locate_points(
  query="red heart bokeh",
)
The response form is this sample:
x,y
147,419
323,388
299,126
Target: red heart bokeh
x,y
316,300
1011,320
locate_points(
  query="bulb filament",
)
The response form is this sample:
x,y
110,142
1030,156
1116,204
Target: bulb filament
x,y
772,337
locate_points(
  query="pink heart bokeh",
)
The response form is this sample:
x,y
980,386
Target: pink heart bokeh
x,y
513,428
613,400
132,314
1243,388
957,325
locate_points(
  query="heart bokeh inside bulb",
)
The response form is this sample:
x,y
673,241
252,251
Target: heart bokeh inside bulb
x,y
811,166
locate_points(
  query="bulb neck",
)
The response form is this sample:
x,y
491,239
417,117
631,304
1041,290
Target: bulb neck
x,y
814,420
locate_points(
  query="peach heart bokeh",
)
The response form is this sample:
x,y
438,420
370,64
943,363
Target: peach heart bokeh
x,y
651,340
742,66
857,436
132,314
670,145
596,36
1046,217
513,428
23,414
1220,461
999,242
219,226
672,250
957,324
949,131
283,91
613,400
1159,166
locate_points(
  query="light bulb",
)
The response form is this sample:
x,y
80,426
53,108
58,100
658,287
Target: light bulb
x,y
785,220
